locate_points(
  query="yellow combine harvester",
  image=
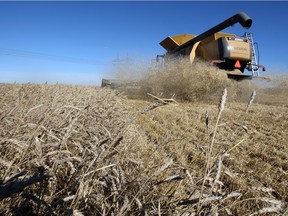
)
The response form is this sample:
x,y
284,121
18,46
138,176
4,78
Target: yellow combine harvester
x,y
227,51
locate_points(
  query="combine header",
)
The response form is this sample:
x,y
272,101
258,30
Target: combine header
x,y
224,50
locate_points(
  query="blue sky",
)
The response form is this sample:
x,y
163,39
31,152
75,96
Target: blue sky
x,y
80,42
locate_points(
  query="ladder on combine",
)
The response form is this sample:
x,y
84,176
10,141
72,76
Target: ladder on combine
x,y
254,61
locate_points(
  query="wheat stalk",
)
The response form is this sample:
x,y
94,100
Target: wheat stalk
x,y
207,119
208,160
252,97
160,169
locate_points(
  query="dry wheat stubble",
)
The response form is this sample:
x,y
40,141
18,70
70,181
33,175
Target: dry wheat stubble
x,y
100,160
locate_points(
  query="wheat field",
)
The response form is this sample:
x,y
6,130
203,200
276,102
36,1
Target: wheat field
x,y
217,148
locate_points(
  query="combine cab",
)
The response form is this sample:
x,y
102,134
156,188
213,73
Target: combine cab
x,y
224,50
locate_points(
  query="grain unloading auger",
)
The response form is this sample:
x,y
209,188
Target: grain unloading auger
x,y
227,51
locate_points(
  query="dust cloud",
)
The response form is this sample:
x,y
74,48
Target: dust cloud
x,y
197,82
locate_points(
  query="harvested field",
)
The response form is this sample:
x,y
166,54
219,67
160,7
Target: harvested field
x,y
83,150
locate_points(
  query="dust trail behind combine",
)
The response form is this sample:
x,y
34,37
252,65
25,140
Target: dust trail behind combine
x,y
199,82
274,91
185,82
